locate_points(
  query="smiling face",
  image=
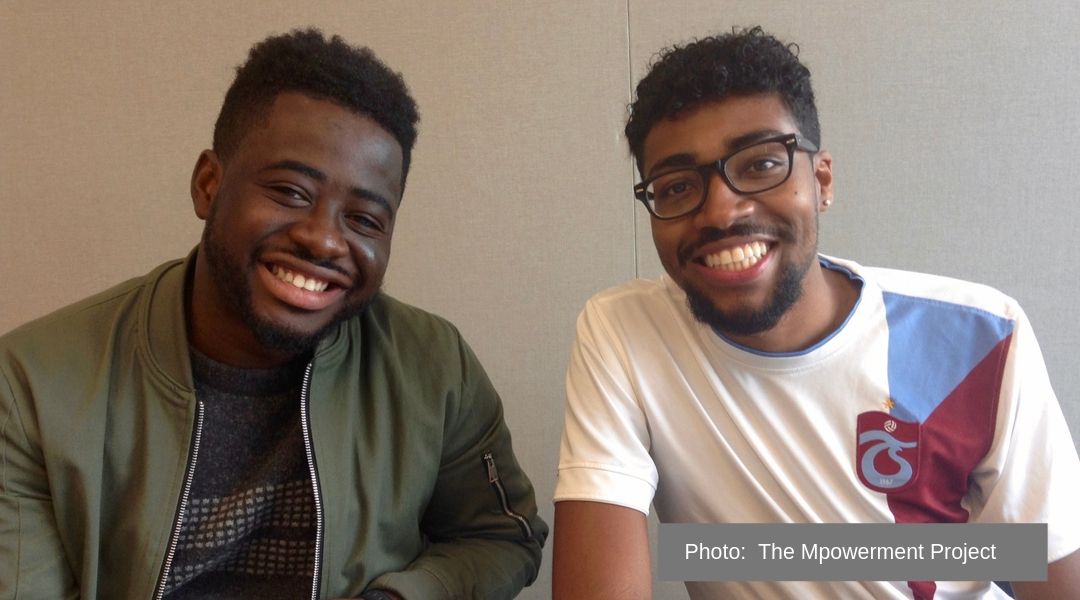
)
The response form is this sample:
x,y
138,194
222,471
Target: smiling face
x,y
298,226
747,262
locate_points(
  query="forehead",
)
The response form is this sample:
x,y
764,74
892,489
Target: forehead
x,y
712,130
351,149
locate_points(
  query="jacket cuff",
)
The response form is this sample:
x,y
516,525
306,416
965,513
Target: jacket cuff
x,y
377,595
415,584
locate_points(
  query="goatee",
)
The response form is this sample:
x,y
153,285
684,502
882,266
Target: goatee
x,y
749,322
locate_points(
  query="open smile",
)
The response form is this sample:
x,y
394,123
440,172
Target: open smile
x,y
300,289
308,283
738,258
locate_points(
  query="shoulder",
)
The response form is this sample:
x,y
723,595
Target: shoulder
x,y
404,337
87,324
914,288
635,291
637,298
637,309
420,355
403,324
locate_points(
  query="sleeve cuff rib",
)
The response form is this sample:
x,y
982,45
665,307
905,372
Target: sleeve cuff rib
x,y
598,484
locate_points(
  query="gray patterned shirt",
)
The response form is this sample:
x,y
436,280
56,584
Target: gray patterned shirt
x,y
249,530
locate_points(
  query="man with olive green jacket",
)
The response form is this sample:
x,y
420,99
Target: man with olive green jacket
x,y
260,420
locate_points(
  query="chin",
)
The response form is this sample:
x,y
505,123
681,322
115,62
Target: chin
x,y
285,339
740,323
748,321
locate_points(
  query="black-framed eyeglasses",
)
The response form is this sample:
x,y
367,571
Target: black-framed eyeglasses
x,y
751,169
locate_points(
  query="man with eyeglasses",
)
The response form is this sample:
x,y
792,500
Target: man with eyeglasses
x,y
761,382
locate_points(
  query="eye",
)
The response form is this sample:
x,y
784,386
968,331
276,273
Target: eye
x,y
763,165
675,186
288,195
365,223
679,187
764,161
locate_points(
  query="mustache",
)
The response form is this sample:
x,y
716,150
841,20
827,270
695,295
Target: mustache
x,y
715,234
308,257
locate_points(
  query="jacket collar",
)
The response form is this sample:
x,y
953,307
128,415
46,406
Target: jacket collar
x,y
165,324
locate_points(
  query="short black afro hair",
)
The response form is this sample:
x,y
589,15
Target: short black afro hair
x,y
305,61
743,62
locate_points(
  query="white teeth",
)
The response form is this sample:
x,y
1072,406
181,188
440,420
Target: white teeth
x,y
737,258
307,283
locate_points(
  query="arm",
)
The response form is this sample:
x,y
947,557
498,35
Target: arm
x,y
1062,582
486,536
601,552
607,477
1032,471
33,563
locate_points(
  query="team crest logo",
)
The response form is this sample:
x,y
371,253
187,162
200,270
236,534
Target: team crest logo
x,y
887,452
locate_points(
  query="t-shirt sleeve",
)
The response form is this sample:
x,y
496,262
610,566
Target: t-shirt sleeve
x,y
604,455
1031,473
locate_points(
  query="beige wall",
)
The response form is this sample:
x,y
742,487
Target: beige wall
x,y
953,131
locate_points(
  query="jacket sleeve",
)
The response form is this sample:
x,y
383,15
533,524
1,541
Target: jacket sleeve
x,y
482,519
33,563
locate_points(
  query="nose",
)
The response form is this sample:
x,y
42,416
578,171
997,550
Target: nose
x,y
722,207
319,232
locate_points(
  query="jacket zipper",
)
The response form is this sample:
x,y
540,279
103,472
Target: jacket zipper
x,y
174,538
309,451
493,479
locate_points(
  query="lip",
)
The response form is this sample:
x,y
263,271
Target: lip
x,y
304,299
305,268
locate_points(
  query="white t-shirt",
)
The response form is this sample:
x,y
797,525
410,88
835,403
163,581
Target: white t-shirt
x,y
662,410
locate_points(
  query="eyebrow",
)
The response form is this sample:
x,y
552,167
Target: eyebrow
x,y
682,159
685,159
317,175
297,166
754,136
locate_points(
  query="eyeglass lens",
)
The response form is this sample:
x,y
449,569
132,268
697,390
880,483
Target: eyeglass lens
x,y
753,169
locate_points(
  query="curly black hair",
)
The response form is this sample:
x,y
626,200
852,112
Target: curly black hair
x,y
305,61
743,62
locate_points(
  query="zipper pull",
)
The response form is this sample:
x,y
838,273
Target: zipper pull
x,y
493,474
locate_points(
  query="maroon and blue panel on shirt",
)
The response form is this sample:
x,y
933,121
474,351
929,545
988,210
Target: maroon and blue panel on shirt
x,y
945,367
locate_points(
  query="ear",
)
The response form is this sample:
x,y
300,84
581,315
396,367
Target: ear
x,y
205,180
823,176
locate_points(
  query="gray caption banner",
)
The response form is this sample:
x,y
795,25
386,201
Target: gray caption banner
x,y
852,552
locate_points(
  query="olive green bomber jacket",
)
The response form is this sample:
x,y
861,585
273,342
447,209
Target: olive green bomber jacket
x,y
417,487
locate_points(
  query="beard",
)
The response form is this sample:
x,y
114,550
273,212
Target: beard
x,y
231,277
749,321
